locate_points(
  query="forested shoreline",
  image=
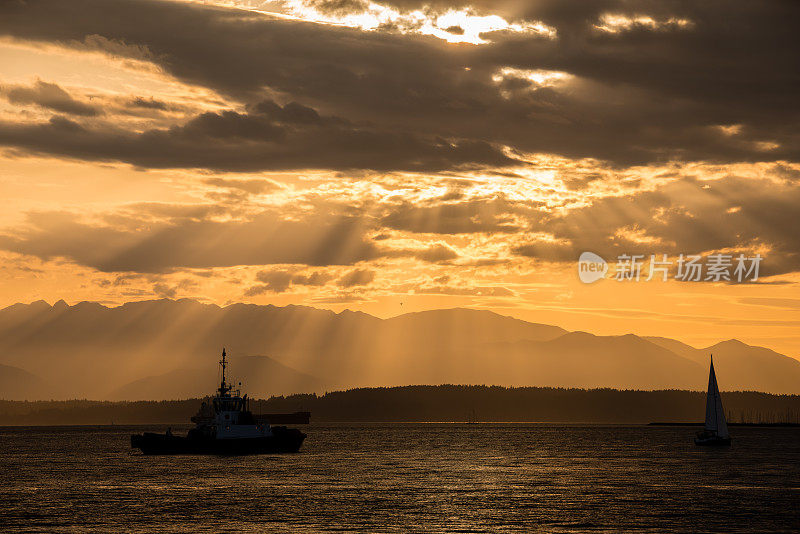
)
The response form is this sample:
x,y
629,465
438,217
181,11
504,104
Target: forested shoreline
x,y
443,403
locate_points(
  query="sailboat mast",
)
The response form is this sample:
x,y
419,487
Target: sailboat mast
x,y
716,394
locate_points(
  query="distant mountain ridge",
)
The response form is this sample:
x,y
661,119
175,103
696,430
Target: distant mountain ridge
x,y
164,349
18,384
260,372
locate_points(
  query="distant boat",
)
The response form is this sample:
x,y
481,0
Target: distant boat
x,y
225,426
716,430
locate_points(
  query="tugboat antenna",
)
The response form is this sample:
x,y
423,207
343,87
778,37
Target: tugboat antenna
x,y
223,389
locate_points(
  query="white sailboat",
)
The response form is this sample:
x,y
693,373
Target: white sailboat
x,y
716,430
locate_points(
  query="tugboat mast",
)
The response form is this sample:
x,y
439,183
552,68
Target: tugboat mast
x,y
223,387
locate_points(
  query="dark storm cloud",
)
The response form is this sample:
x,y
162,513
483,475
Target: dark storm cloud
x,y
47,95
475,215
640,95
163,290
148,103
273,281
683,217
338,7
159,238
357,277
268,137
187,243
686,216
313,278
281,280
435,254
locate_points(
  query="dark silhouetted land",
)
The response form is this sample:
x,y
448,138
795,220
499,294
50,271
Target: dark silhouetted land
x,y
433,403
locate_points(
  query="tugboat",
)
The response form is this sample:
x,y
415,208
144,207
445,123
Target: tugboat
x,y
225,426
716,430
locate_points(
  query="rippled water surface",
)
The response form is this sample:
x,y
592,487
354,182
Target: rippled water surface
x,y
408,478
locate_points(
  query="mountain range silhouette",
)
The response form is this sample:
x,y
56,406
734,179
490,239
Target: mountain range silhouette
x,y
166,349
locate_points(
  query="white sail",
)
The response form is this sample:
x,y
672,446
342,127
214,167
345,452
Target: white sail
x,y
715,415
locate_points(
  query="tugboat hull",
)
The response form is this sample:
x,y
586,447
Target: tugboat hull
x,y
282,440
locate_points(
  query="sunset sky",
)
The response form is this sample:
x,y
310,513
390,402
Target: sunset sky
x,y
400,156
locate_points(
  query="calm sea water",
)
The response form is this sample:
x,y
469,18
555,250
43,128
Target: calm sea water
x,y
408,478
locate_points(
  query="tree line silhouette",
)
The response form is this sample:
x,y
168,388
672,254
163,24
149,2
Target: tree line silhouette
x,y
433,403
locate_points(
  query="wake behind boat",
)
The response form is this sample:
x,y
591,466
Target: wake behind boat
x,y
226,426
716,430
